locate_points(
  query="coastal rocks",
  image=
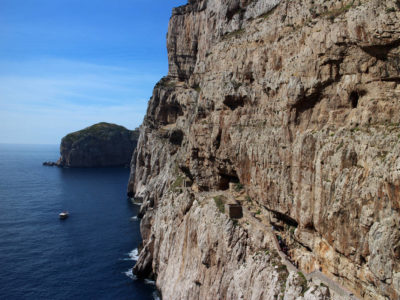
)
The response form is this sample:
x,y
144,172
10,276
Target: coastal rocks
x,y
100,145
50,164
299,102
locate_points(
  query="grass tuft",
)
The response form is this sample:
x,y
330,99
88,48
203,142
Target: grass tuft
x,y
219,202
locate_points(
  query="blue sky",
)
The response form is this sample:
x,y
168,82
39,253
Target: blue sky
x,y
67,64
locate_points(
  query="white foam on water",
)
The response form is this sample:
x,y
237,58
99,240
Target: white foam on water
x,y
130,274
134,254
156,296
148,281
134,218
136,202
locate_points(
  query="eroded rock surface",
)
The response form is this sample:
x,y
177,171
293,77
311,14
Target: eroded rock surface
x,y
299,102
100,145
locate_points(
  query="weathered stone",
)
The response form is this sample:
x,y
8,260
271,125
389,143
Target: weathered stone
x,y
300,103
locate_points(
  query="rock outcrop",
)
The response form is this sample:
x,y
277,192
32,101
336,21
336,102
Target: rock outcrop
x,y
100,145
299,102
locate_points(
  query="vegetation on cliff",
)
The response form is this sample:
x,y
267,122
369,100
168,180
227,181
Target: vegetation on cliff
x,y
100,145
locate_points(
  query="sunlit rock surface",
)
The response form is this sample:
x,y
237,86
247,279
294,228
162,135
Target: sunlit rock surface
x,y
299,102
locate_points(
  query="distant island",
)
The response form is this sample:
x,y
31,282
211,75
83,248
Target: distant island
x,y
100,145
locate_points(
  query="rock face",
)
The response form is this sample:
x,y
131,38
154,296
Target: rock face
x,y
299,101
100,145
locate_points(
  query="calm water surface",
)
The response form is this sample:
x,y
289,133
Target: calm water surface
x,y
84,257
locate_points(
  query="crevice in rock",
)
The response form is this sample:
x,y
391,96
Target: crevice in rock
x,y
231,12
217,141
391,79
249,77
306,103
380,52
201,113
283,218
187,172
363,261
309,227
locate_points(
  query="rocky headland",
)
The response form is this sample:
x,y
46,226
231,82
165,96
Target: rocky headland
x,y
291,110
100,145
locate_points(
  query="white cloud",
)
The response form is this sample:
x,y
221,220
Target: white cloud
x,y
41,101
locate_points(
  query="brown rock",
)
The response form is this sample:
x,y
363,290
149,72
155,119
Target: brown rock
x,y
297,100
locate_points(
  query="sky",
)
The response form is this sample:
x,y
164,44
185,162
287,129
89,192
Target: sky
x,y
68,64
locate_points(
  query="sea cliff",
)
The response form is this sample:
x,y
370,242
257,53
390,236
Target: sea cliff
x,y
296,103
100,145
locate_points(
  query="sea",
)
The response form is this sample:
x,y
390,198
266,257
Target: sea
x,y
87,256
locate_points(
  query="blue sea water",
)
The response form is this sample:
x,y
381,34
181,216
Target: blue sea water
x,y
83,257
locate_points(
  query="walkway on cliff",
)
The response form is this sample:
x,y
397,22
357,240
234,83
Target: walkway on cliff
x,y
316,277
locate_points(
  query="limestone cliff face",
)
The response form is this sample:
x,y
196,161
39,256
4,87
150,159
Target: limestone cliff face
x,y
299,101
100,145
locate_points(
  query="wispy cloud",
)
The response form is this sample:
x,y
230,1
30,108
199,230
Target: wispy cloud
x,y
40,101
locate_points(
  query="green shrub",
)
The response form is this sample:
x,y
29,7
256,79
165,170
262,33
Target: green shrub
x,y
197,88
219,202
233,34
332,14
176,186
303,283
282,277
292,229
236,84
238,187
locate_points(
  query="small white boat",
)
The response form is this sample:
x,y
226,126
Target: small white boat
x,y
63,215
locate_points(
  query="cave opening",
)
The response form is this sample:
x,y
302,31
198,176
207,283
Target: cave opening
x,y
354,96
279,220
235,101
176,137
225,179
286,219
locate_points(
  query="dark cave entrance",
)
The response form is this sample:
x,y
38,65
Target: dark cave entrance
x,y
286,219
279,220
235,101
354,96
225,179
